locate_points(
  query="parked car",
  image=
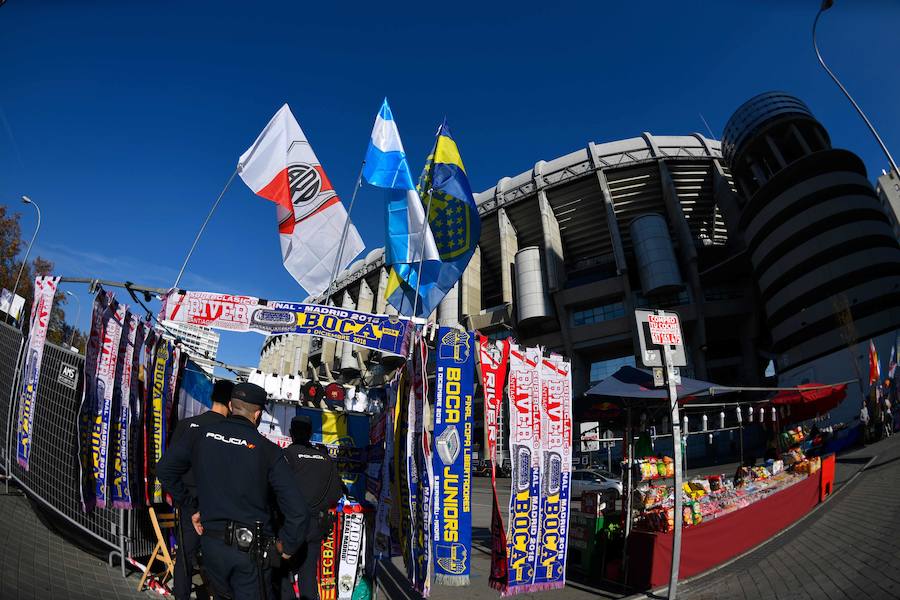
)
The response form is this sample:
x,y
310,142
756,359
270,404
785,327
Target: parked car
x,y
481,468
594,480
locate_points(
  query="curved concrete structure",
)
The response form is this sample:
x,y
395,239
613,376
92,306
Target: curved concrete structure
x,y
824,255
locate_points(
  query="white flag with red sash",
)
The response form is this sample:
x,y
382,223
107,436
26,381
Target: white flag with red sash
x,y
282,167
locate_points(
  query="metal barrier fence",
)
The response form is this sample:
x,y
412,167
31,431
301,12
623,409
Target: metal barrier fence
x,y
53,477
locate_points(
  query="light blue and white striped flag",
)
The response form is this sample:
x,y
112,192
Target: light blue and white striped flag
x,y
386,167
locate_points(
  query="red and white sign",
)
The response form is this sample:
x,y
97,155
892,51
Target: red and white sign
x,y
222,311
665,330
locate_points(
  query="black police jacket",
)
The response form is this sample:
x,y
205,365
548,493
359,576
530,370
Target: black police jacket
x,y
191,426
319,481
235,467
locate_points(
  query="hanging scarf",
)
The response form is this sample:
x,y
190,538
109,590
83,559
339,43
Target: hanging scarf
x,y
418,475
383,511
157,416
44,291
135,465
89,401
326,572
452,458
114,317
525,442
556,469
149,360
120,490
494,358
352,542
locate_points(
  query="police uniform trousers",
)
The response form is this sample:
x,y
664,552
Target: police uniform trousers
x,y
187,555
232,570
305,566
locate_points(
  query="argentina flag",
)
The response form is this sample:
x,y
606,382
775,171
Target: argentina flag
x,y
386,167
454,223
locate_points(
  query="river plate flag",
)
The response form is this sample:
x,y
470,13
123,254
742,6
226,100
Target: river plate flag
x,y
281,166
44,291
455,226
452,456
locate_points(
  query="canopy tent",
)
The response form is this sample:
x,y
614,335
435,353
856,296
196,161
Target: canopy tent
x,y
630,382
808,400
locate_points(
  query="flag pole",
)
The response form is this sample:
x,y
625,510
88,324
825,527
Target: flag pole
x,y
419,274
202,227
340,253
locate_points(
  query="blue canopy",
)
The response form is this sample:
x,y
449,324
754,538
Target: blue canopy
x,y
629,382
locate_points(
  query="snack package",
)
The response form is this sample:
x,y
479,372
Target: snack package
x,y
661,468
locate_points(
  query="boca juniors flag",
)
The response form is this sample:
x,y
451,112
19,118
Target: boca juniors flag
x,y
281,166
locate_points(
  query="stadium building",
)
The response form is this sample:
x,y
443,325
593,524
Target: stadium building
x,y
771,245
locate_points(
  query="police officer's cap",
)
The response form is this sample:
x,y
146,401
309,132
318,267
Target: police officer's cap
x,y
222,391
249,393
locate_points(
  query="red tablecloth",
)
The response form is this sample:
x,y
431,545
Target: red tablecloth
x,y
711,543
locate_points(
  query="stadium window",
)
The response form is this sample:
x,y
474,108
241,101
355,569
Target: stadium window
x,y
602,369
597,314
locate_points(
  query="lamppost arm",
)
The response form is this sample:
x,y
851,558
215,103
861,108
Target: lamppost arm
x,y
26,200
825,6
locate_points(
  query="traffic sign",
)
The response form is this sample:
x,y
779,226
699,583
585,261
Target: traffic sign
x,y
656,330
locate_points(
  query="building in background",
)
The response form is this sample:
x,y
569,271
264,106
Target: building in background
x,y
888,190
202,342
773,249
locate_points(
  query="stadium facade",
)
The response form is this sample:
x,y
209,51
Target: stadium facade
x,y
771,245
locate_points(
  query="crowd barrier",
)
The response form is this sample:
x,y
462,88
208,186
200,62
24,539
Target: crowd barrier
x,y
53,478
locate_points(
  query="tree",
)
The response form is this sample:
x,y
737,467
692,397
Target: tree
x,y
11,245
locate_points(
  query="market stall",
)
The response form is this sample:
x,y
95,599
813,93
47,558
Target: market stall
x,y
723,515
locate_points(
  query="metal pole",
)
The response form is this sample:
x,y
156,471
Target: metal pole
x,y
77,316
422,253
25,200
826,4
676,440
340,253
202,227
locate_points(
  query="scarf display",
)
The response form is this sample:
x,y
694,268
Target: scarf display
x,y
89,401
418,466
556,472
120,487
493,358
44,291
232,312
452,456
353,538
327,570
385,497
113,319
525,449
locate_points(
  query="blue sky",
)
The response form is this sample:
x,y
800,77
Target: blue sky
x,y
124,120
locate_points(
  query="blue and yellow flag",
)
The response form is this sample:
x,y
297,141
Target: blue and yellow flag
x,y
455,226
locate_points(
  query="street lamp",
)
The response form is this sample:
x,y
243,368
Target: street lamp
x,y
77,315
27,200
826,4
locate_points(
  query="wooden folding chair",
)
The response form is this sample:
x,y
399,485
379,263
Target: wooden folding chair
x,y
161,551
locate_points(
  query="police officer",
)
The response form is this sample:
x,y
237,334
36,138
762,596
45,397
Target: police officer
x,y
234,469
189,541
318,479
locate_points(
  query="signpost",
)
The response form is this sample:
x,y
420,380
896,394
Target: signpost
x,y
662,345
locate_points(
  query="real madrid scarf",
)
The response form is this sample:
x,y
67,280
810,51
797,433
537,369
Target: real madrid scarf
x,y
494,357
120,490
114,317
351,554
44,291
452,457
556,468
525,443
89,401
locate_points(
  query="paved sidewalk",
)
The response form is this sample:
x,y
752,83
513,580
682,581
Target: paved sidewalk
x,y
848,548
36,563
